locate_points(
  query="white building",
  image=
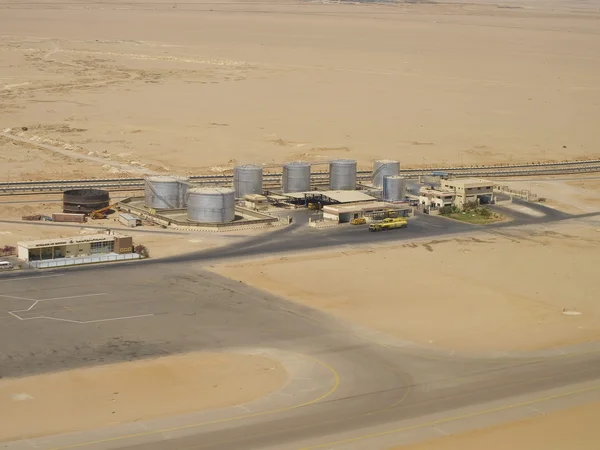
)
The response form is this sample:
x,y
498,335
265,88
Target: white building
x,y
435,197
74,246
469,190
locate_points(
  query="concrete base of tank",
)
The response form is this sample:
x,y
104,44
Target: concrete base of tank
x,y
177,218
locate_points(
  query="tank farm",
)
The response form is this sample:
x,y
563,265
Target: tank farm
x,y
251,198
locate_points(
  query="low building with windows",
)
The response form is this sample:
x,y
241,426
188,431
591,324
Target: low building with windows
x,y
344,213
435,197
73,247
469,190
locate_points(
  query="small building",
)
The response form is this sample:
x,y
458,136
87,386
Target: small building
x,y
256,202
72,247
68,217
469,190
344,213
129,220
435,197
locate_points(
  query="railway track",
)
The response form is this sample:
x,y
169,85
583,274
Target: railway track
x,y
273,180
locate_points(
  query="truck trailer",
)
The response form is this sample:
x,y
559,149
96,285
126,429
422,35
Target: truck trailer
x,y
389,224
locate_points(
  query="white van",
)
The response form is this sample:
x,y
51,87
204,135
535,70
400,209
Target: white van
x,y
5,265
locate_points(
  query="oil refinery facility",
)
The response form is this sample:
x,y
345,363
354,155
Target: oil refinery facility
x,y
178,202
247,202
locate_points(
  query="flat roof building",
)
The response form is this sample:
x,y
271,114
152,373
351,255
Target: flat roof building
x,y
76,246
469,190
256,202
129,220
344,213
436,197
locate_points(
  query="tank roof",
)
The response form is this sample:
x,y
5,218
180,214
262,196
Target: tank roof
x,y
86,191
248,166
211,190
343,161
159,178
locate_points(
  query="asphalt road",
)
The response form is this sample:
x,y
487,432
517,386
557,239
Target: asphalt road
x,y
55,320
299,237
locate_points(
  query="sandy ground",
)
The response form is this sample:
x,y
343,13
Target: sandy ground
x,y
102,396
509,290
192,87
571,194
575,428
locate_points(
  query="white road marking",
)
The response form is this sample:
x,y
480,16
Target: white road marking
x,y
55,298
17,298
35,302
72,296
13,313
86,321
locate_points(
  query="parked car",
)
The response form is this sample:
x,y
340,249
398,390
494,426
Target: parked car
x,y
5,265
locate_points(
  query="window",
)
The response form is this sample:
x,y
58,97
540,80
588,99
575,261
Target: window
x,y
102,247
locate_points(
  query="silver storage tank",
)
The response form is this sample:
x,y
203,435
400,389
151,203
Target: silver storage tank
x,y
296,177
394,188
382,168
211,205
163,192
183,190
342,175
247,180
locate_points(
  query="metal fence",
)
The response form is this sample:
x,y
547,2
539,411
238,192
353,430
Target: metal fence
x,y
64,262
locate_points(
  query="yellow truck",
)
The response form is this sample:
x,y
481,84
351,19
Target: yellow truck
x,y
358,221
389,224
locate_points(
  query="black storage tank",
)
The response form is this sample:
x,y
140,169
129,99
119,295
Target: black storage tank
x,y
85,200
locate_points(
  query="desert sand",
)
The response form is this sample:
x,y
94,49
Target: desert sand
x,y
573,194
117,393
520,289
574,428
193,87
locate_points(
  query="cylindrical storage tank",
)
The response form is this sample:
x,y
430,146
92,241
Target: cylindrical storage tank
x,y
394,188
247,180
211,205
342,175
296,177
162,192
183,190
382,168
85,201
